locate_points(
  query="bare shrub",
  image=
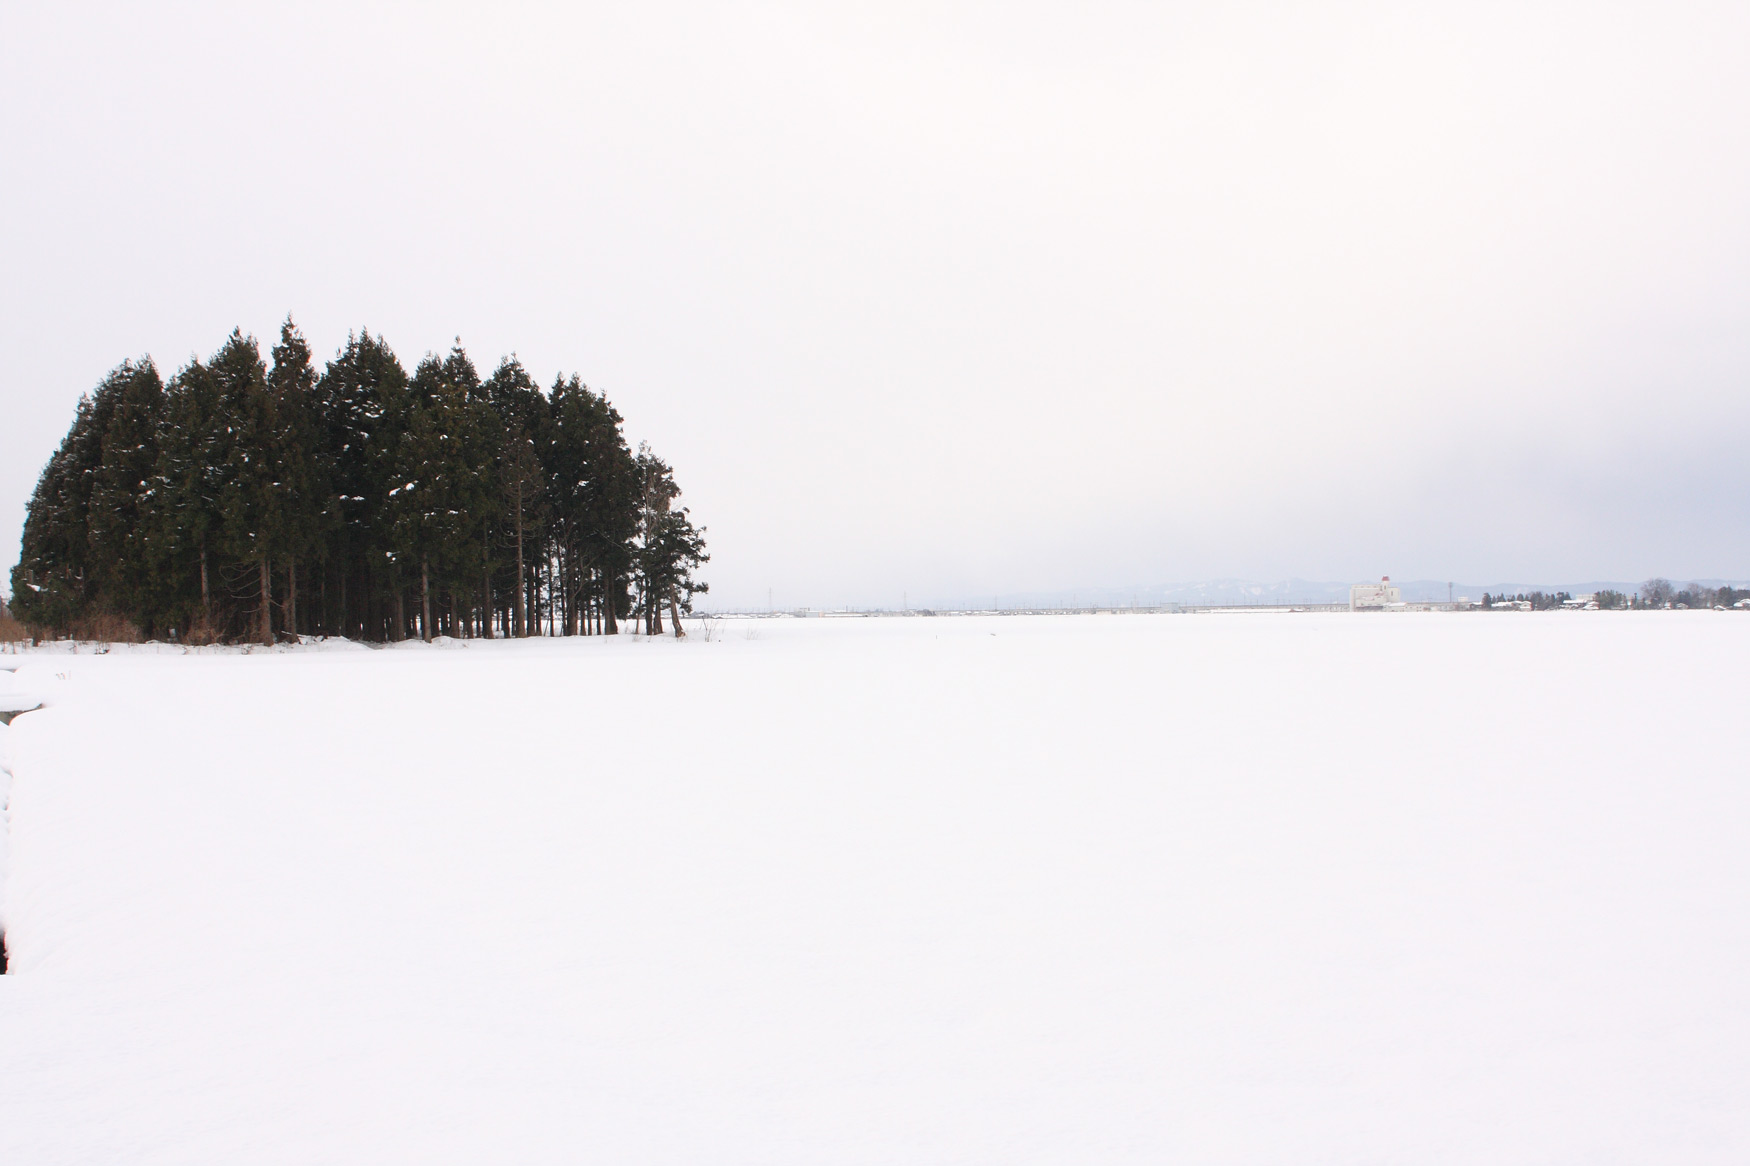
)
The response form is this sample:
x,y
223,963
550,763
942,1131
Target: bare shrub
x,y
13,632
1657,592
107,628
200,633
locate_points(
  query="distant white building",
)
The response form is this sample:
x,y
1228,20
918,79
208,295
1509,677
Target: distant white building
x,y
1369,596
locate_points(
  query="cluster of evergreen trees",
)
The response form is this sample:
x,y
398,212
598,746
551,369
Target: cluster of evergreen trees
x,y
1539,600
249,500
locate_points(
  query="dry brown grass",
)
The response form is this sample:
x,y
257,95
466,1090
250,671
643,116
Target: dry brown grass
x,y
12,632
108,629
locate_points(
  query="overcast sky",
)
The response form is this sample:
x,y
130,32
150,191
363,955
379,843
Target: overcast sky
x,y
949,300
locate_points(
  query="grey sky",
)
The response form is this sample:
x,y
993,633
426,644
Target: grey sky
x,y
958,299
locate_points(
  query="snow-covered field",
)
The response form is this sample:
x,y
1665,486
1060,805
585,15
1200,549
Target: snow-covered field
x,y
1125,889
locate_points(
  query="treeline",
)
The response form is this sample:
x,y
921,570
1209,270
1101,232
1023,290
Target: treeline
x,y
1538,600
1653,594
1661,593
249,499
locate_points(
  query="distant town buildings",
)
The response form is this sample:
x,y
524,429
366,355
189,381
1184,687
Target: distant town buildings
x,y
1374,596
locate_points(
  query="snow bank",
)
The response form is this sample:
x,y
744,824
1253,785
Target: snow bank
x,y
16,696
1054,890
304,644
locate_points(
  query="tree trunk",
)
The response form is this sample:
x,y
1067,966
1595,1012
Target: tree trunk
x,y
674,611
424,600
399,631
206,599
610,624
292,598
522,578
486,602
264,620
573,593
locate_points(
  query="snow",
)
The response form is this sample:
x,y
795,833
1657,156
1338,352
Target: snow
x,y
1116,889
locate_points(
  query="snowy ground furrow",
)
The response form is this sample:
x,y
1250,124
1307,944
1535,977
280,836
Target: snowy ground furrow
x,y
1145,889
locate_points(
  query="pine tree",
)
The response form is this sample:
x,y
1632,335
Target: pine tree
x,y
362,403
122,492
669,548
524,421
520,478
592,490
81,540
50,584
182,526
251,504
444,485
305,479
